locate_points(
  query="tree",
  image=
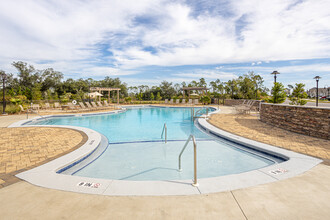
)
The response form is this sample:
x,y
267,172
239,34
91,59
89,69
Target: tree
x,y
50,79
202,82
298,95
278,93
152,97
158,97
28,77
167,89
205,99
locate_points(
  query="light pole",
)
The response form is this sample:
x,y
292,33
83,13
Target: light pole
x,y
317,78
256,91
275,73
4,77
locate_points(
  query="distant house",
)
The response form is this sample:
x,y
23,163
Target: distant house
x,y
322,92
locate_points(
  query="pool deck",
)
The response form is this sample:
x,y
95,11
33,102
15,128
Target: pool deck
x,y
302,197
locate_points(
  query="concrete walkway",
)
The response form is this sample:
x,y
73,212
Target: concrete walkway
x,y
303,197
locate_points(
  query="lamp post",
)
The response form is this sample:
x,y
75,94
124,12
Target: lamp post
x,y
4,77
317,78
275,73
256,91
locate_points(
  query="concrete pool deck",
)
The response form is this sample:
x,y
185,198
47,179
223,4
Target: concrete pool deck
x,y
305,196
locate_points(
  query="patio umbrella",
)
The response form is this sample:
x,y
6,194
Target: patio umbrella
x,y
94,94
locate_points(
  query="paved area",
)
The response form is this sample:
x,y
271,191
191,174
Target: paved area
x,y
250,127
303,197
24,148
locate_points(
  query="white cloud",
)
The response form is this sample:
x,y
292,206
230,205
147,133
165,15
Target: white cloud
x,y
87,37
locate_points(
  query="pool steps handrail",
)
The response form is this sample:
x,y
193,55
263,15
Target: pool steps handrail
x,y
190,138
32,111
164,130
198,112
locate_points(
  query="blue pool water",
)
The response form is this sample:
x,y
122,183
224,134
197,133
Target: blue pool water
x,y
136,151
136,124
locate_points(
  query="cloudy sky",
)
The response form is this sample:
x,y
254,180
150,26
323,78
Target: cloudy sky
x,y
147,41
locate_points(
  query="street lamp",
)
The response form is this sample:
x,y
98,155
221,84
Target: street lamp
x,y
275,73
317,78
4,77
256,91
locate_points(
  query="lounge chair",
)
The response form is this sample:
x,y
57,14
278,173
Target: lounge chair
x,y
246,108
177,101
72,107
57,105
47,105
190,102
171,101
183,101
196,102
166,101
106,103
83,107
89,106
100,105
95,106
24,110
35,107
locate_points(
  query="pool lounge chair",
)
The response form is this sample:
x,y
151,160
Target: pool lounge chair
x,y
72,107
57,105
95,106
89,106
196,102
83,107
106,103
35,107
100,105
190,102
171,101
27,110
166,101
183,101
245,109
47,105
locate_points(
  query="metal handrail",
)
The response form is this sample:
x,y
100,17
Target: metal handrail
x,y
191,137
164,129
198,111
32,111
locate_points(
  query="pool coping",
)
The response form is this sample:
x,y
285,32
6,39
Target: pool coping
x,y
46,175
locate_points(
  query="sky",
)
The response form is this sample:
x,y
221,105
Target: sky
x,y
148,41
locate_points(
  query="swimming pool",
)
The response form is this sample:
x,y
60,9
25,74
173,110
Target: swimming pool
x,y
136,151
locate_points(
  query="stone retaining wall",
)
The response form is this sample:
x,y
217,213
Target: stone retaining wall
x,y
312,121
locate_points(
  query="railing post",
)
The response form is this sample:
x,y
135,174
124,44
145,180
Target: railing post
x,y
165,133
195,164
191,137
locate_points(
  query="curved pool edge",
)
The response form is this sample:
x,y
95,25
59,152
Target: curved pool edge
x,y
294,164
47,176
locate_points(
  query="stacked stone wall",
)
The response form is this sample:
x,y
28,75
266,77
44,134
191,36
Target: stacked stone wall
x,y
312,121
